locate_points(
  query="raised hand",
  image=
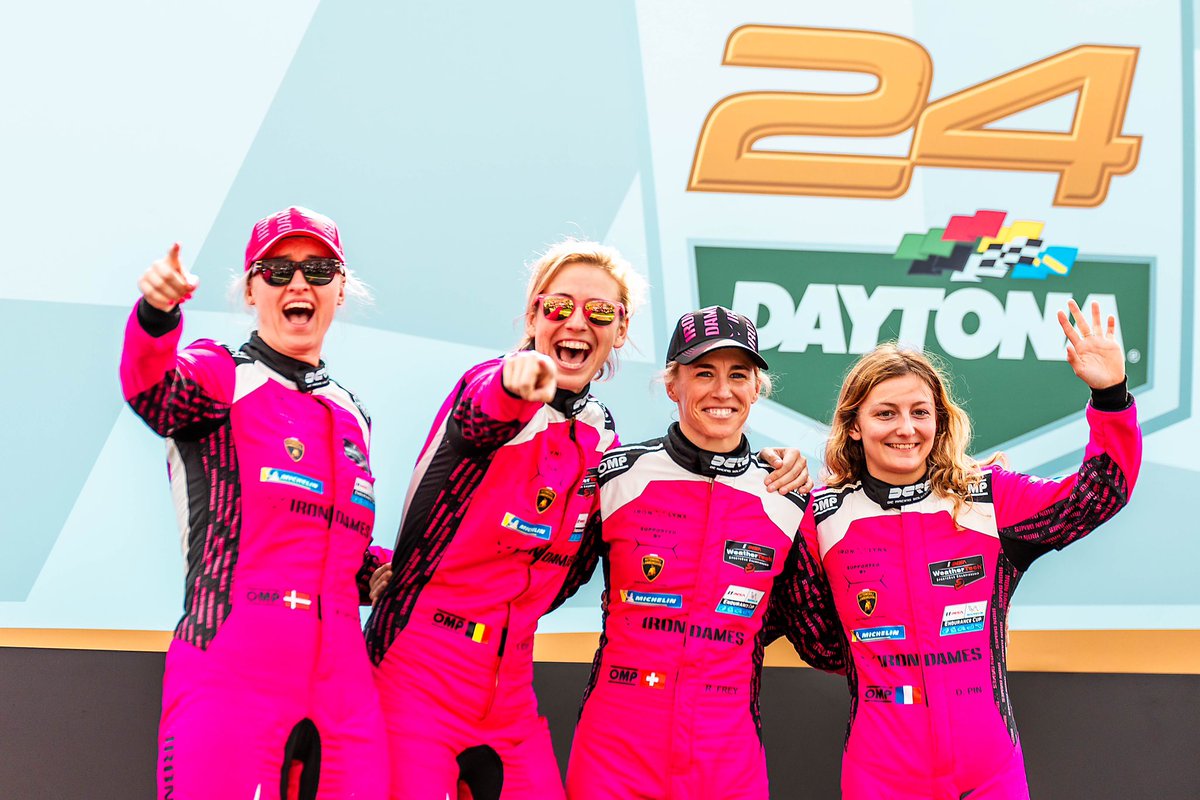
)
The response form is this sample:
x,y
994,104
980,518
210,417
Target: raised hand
x,y
167,283
1092,351
531,376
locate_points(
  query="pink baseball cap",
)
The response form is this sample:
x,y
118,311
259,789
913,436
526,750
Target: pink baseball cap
x,y
292,221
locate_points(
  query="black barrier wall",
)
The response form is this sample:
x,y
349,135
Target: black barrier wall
x,y
81,725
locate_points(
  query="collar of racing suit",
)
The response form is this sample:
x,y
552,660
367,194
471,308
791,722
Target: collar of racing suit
x,y
888,495
705,462
305,376
570,403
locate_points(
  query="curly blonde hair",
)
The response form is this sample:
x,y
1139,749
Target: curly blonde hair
x,y
949,469
631,285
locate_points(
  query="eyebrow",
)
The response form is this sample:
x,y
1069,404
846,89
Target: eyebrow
x,y
745,365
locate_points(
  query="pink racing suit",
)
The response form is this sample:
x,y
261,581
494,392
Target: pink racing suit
x,y
924,607
693,547
267,670
495,514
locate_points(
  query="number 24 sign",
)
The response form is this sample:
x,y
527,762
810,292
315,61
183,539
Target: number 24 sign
x,y
950,132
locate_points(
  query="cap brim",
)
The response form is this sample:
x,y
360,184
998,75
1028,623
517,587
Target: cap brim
x,y
692,353
266,246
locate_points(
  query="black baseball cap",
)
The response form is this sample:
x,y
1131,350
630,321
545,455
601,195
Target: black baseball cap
x,y
710,329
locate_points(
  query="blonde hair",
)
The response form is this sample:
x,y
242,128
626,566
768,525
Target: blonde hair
x,y
766,381
950,470
631,287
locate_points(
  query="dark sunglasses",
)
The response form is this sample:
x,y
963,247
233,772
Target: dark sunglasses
x,y
279,271
559,308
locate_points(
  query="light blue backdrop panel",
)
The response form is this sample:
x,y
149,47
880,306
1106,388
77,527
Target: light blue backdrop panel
x,y
452,142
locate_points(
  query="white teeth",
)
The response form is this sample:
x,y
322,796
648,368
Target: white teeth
x,y
303,306
719,412
909,446
574,345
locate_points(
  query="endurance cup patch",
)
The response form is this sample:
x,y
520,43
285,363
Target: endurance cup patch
x,y
963,618
364,493
739,601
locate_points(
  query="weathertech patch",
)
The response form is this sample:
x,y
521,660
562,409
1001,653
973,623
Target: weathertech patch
x,y
749,556
957,572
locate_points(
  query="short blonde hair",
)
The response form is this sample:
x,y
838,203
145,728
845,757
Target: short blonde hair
x,y
631,285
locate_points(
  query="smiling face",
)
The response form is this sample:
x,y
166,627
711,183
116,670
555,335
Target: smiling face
x,y
714,394
293,319
578,347
896,424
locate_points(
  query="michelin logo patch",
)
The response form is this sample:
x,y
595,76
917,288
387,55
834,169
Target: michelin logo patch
x,y
882,633
515,523
963,618
273,475
659,600
739,601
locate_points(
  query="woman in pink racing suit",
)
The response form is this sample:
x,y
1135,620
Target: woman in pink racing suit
x,y
493,521
268,690
694,546
924,547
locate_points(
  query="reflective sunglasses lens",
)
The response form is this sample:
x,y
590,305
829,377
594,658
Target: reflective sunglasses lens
x,y
556,308
279,274
600,312
319,273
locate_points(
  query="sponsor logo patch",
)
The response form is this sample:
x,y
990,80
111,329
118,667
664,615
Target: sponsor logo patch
x,y
475,631
867,600
273,475
589,485
611,463
364,493
739,601
903,695
659,600
515,523
957,572
749,556
963,618
577,533
294,447
652,566
882,633
632,676
729,465
545,499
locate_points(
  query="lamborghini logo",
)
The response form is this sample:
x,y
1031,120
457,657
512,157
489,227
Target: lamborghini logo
x,y
652,566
